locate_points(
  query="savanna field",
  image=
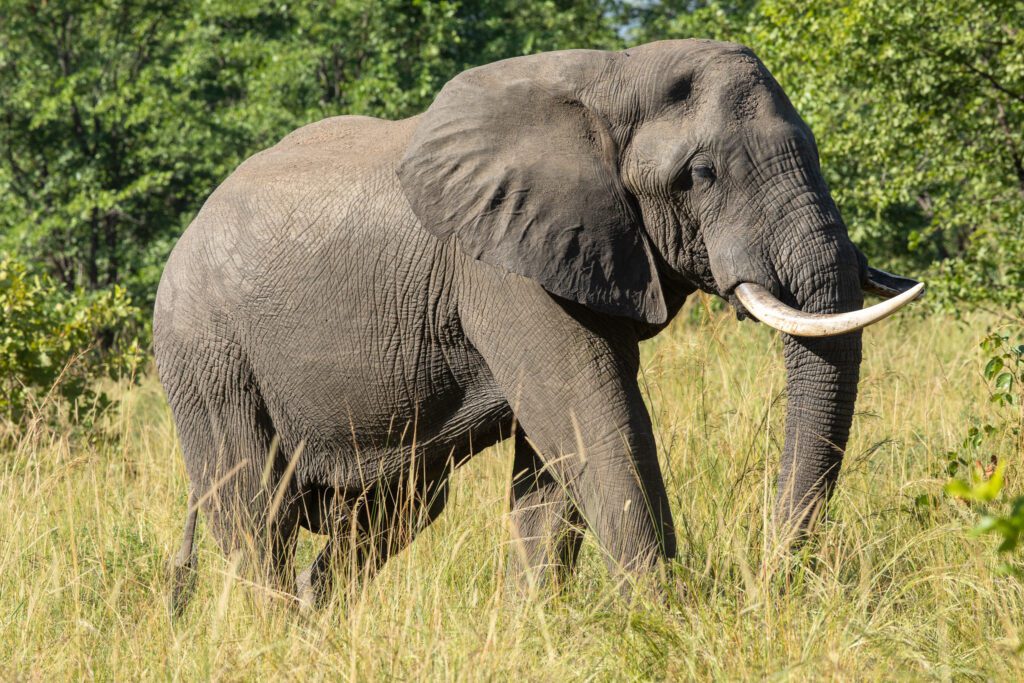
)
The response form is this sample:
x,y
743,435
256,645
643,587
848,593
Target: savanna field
x,y
118,119
892,587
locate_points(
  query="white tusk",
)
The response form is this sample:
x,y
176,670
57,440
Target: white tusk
x,y
763,305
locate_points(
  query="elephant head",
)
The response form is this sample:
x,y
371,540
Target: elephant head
x,y
620,179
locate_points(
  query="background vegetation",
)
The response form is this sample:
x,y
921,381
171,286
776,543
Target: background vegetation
x,y
118,117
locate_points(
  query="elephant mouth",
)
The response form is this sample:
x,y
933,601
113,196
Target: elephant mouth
x,y
763,305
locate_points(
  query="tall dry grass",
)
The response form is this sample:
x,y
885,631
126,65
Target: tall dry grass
x,y
889,589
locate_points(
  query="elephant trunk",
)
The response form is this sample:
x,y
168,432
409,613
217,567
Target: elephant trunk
x,y
800,273
821,385
821,378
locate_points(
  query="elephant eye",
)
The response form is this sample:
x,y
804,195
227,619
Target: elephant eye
x,y
683,182
699,173
705,173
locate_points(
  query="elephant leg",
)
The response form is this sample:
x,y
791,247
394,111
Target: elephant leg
x,y
237,476
345,524
314,583
321,514
546,524
572,384
364,533
595,437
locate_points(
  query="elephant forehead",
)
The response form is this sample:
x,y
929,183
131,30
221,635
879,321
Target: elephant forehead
x,y
669,72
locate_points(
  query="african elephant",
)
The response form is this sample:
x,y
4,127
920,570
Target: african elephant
x,y
365,305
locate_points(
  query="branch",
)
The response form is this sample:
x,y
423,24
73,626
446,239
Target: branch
x,y
976,71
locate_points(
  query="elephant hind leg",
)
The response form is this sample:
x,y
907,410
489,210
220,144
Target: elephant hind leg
x,y
240,479
371,526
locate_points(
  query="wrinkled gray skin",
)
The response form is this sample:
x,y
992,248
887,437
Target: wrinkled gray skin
x,y
393,297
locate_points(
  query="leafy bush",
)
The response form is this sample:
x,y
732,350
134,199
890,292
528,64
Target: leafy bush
x,y
984,483
1005,519
56,344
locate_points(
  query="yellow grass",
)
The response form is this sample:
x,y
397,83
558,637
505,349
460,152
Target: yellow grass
x,y
888,590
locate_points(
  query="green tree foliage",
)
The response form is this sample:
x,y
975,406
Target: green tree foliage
x,y
121,116
50,344
919,113
111,124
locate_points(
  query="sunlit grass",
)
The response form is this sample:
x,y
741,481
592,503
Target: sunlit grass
x,y
888,589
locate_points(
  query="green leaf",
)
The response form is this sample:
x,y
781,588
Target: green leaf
x,y
993,366
1004,381
983,491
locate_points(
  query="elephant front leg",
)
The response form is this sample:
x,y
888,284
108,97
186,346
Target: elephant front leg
x,y
622,495
572,385
545,523
599,469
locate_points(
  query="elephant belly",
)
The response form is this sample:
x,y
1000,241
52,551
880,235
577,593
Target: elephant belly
x,y
358,434
365,403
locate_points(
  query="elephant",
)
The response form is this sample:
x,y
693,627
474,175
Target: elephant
x,y
359,309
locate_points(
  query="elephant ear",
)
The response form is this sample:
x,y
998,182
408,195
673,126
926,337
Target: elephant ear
x,y
511,161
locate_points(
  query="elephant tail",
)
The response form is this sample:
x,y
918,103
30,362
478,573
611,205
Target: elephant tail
x,y
183,566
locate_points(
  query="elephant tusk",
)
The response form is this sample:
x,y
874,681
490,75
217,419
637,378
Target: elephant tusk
x,y
886,285
763,305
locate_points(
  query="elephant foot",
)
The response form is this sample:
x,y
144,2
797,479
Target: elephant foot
x,y
310,591
307,594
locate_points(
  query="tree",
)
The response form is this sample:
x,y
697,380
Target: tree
x,y
119,118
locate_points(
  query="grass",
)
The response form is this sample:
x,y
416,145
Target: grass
x,y
890,588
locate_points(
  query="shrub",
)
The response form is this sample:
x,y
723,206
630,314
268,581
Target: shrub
x,y
57,344
984,483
